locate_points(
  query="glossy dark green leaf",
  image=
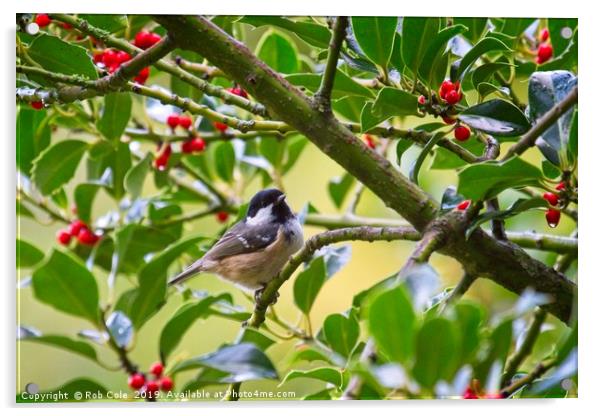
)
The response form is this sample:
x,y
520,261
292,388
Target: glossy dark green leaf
x,y
84,386
57,164
28,255
485,180
327,374
476,27
64,283
394,102
438,44
341,333
416,36
59,341
446,159
573,144
549,170
224,161
499,341
312,33
375,35
367,119
133,242
391,322
120,162
484,46
519,206
33,136
484,72
308,284
515,26
339,187
120,328
497,117
110,22
437,347
176,327
364,295
115,115
254,336
468,319
343,86
294,148
278,52
83,196
152,282
56,55
402,146
547,89
243,362
561,31
134,178
417,164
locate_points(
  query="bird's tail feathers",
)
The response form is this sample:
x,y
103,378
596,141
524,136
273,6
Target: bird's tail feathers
x,y
186,274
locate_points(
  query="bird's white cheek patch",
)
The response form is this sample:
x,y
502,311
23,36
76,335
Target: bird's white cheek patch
x,y
263,215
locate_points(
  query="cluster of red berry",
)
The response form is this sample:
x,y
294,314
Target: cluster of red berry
x,y
43,20
145,39
553,214
112,59
138,381
193,144
176,120
545,50
79,230
370,140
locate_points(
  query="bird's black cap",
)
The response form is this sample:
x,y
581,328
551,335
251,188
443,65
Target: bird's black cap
x,y
268,197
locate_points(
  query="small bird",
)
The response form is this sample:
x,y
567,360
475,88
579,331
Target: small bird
x,y
254,250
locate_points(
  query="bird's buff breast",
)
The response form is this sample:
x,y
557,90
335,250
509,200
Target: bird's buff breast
x,y
254,270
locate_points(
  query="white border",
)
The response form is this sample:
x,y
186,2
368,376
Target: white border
x,y
590,278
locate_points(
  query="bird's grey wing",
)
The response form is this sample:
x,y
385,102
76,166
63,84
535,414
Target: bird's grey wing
x,y
243,238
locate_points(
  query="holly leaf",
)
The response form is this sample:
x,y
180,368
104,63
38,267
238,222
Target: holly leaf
x,y
57,165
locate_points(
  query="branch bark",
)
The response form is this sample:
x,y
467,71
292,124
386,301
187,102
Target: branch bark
x,y
504,262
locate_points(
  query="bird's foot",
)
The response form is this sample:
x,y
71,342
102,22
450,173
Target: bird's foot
x,y
259,293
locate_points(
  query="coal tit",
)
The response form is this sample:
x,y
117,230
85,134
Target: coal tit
x,y
254,250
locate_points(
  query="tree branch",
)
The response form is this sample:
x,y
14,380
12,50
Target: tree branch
x,y
549,118
323,95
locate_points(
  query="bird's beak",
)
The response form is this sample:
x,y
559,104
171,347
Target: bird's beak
x,y
280,199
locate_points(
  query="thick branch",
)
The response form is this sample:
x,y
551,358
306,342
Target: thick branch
x,y
549,118
323,95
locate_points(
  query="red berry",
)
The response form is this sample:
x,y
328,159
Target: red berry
x,y
186,146
448,120
162,160
87,237
544,53
152,387
494,396
561,186
109,58
470,394
122,56
222,216
63,237
36,105
238,91
98,57
66,26
463,205
370,141
75,227
544,34
173,120
198,144
422,100
185,122
220,126
43,20
446,86
136,381
551,198
461,133
166,383
157,369
452,97
142,75
145,39
552,217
